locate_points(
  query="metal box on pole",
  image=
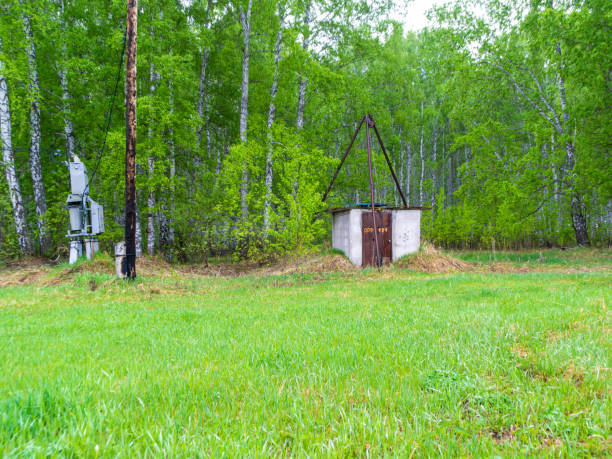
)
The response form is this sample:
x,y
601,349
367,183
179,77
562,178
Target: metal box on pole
x,y
86,216
78,177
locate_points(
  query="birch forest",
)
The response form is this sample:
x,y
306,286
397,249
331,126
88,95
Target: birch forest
x,y
498,117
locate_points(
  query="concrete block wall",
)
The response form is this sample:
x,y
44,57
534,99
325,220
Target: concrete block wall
x,y
346,233
405,233
341,231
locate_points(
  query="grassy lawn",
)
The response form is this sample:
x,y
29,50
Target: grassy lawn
x,y
346,364
554,258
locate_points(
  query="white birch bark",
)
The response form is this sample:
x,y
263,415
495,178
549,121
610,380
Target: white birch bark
x,y
450,180
408,165
202,109
207,128
557,181
443,168
166,227
399,166
68,126
202,106
151,169
422,156
271,115
303,80
434,159
576,201
220,156
302,90
220,152
138,233
172,193
40,200
245,21
8,159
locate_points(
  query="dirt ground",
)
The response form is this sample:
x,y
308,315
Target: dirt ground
x,y
42,271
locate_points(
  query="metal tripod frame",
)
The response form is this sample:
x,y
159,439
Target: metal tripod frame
x,y
369,124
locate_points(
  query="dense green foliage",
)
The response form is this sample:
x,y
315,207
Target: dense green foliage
x,y
501,123
342,364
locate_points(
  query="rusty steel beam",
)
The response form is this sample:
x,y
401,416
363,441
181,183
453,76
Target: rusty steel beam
x,y
384,150
370,122
399,188
343,158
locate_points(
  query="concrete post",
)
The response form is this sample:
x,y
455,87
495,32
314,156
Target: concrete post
x,y
76,250
120,260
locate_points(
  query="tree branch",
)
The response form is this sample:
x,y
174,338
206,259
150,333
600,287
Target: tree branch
x,y
524,94
543,99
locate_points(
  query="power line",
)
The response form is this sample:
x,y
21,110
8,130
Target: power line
x,y
110,114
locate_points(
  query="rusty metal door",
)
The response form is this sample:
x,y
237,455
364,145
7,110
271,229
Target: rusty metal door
x,y
368,244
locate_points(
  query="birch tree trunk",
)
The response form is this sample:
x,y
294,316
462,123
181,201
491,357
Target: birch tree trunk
x,y
245,21
138,233
422,156
68,126
271,115
151,168
443,168
576,202
202,109
408,165
303,80
221,152
434,159
172,193
166,228
220,156
450,179
579,222
8,159
203,95
399,166
207,128
302,94
558,180
40,200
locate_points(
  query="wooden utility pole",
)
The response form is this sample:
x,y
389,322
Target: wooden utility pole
x,y
130,140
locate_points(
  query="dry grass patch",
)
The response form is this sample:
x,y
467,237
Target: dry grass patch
x,y
24,271
431,260
503,436
309,265
153,266
43,272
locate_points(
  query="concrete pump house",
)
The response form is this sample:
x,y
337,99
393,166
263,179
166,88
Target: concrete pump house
x,y
399,232
374,234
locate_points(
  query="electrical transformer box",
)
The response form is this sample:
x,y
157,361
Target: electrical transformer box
x,y
97,217
86,215
78,177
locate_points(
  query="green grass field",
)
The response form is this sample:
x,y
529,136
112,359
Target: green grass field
x,y
362,363
554,258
